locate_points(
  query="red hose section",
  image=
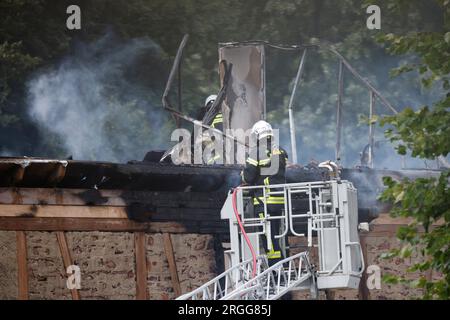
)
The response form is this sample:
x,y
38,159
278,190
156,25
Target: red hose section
x,y
243,232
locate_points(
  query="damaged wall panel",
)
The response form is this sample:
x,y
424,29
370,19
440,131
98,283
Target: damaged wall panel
x,y
245,101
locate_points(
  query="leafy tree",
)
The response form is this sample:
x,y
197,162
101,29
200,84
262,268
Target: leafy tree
x,y
426,134
32,35
13,65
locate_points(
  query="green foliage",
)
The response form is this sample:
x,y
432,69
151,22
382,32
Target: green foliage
x,y
32,35
426,134
433,48
427,202
13,65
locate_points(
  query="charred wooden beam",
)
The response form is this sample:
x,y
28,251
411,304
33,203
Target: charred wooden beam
x,y
57,175
157,192
109,225
17,173
22,265
131,176
44,211
119,198
141,266
168,248
67,259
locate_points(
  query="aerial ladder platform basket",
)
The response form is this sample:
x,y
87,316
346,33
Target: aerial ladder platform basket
x,y
325,213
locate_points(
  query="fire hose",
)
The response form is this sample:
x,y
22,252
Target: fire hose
x,y
247,240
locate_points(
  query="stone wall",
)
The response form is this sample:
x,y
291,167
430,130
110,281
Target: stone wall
x,y
375,245
194,257
107,263
46,274
8,265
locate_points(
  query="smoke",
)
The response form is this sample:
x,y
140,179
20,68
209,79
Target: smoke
x,y
98,103
315,108
6,153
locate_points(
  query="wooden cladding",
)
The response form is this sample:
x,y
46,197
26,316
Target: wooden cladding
x,y
110,210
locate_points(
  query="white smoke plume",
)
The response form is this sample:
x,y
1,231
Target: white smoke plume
x,y
6,153
92,104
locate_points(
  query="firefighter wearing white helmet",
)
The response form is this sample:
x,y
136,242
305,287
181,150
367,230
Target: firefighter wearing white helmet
x,y
210,99
267,155
262,129
217,122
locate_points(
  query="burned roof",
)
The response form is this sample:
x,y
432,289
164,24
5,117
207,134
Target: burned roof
x,y
50,173
27,172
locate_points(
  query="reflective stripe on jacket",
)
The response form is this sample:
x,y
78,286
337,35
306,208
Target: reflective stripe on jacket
x,y
217,122
252,175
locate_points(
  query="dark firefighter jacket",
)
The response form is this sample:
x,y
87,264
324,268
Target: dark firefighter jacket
x,y
252,174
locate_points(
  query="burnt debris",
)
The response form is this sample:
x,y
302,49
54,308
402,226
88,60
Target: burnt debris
x,y
189,194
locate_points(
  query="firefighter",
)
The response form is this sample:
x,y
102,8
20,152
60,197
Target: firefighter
x,y
267,153
216,123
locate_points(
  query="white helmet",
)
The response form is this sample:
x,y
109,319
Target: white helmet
x,y
262,129
210,98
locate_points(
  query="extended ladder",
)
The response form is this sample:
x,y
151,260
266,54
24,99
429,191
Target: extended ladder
x,y
270,283
227,282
